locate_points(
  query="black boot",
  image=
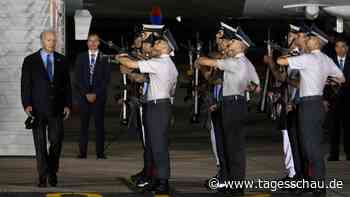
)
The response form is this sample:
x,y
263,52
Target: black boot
x,y
101,156
81,156
143,182
207,182
159,187
53,179
42,181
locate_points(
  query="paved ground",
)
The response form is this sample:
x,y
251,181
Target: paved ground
x,y
191,156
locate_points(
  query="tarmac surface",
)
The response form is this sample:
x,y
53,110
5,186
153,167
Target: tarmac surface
x,y
192,162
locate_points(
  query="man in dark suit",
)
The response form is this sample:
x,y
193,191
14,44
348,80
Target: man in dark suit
x,y
92,76
47,95
338,110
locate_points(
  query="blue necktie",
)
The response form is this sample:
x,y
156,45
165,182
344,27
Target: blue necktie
x,y
297,97
49,66
341,63
92,68
93,59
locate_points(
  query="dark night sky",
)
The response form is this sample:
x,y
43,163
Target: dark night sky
x,y
113,29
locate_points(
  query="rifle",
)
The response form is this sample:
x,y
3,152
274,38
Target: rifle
x,y
195,82
110,44
277,99
124,117
267,74
276,46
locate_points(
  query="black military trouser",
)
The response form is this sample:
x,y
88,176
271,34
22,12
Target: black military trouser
x,y
148,165
216,118
289,121
136,122
48,162
295,142
96,109
157,118
311,114
338,121
234,111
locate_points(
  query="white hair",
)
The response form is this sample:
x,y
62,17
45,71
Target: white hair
x,y
46,31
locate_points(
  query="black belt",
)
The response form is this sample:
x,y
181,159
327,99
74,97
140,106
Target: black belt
x,y
234,98
155,101
311,98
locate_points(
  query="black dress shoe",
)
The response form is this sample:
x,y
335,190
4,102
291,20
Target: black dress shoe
x,y
333,158
159,187
143,182
53,180
207,182
81,156
42,182
348,157
162,189
42,185
101,157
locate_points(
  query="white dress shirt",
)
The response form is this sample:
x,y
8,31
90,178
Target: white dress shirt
x,y
95,53
238,73
314,68
163,76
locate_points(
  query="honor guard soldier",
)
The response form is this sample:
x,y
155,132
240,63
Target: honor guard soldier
x,y
287,106
315,67
157,113
214,79
147,38
239,75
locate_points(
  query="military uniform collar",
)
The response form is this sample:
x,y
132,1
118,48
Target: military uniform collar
x,y
164,55
239,55
316,51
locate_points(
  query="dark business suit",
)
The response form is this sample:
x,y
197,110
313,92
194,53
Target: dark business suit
x,y
48,99
100,81
339,113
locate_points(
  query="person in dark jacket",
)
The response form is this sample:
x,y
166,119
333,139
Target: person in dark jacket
x,y
47,95
339,105
92,78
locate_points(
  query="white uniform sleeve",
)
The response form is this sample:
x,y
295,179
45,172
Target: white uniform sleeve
x,y
227,65
297,62
148,66
253,76
174,82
